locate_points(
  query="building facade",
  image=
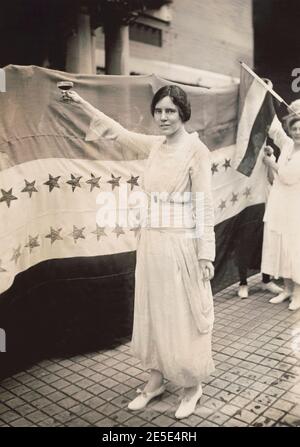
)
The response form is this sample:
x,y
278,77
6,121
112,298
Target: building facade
x,y
196,42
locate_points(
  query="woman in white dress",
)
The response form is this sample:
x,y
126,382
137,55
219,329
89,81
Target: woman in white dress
x,y
281,247
173,311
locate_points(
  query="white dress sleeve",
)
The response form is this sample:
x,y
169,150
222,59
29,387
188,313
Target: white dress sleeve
x,y
203,209
278,135
102,126
289,173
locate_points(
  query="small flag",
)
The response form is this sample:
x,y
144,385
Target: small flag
x,y
256,114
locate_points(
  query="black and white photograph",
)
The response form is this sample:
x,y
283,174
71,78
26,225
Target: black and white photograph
x,y
149,216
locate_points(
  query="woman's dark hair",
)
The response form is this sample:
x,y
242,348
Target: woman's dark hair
x,y
179,98
292,121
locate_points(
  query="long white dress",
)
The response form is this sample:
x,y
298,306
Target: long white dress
x,y
281,246
173,310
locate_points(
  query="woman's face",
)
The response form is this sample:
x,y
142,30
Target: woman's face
x,y
295,132
166,116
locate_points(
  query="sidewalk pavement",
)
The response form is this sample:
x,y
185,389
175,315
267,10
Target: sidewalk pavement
x,y
256,383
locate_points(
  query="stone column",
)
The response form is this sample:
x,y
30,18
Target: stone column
x,y
116,49
80,47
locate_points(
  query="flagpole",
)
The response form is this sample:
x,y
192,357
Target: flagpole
x,y
267,87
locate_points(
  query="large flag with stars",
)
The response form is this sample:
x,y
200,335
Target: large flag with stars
x,y
65,281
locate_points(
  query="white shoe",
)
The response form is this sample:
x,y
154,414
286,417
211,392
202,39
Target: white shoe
x,y
271,287
143,398
243,292
295,303
280,298
188,404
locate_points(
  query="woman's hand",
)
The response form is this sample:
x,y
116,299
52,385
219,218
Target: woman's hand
x,y
270,162
207,269
90,110
71,94
268,150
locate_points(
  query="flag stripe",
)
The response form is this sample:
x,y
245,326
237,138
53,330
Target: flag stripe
x,y
258,135
254,100
64,147
83,199
37,124
62,209
16,152
246,82
233,191
66,306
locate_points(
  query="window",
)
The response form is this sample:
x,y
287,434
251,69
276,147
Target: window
x,y
145,34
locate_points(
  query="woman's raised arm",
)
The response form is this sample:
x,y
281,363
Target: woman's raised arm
x,y
278,134
102,126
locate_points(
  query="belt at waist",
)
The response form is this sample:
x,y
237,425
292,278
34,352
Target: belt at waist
x,y
168,215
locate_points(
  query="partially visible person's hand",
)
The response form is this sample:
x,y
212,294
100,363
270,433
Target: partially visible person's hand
x,y
71,94
207,269
268,150
269,161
